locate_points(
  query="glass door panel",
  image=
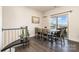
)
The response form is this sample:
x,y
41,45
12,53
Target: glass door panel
x,y
62,21
53,23
59,22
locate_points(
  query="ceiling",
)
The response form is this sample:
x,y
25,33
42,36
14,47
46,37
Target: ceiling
x,y
42,8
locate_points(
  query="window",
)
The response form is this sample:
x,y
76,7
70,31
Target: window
x,y
58,22
53,23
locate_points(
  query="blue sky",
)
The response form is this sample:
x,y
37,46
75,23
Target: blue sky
x,y
61,20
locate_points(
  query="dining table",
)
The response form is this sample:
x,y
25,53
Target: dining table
x,y
51,32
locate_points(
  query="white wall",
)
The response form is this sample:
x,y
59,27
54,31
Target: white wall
x,y
0,27
16,16
73,20
20,16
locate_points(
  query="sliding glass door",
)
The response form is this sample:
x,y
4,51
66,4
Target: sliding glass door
x,y
59,22
53,23
62,21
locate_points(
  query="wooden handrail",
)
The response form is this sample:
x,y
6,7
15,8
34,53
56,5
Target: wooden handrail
x,y
17,42
13,29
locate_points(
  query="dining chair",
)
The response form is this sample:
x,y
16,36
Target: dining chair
x,y
45,34
38,33
59,36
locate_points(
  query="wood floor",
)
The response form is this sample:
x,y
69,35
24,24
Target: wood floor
x,y
45,46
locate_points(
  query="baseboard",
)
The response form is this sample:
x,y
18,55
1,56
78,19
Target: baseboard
x,y
73,41
32,37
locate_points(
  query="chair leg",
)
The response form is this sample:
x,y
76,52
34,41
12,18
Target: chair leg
x,y
35,37
56,40
28,44
63,40
52,41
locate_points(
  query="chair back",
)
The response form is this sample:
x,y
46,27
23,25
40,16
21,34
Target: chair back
x,y
44,31
36,30
62,32
40,30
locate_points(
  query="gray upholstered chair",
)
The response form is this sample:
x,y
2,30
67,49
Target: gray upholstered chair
x,y
38,33
59,36
45,34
